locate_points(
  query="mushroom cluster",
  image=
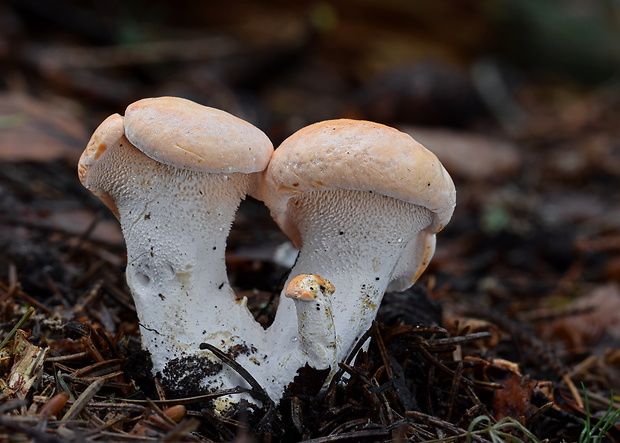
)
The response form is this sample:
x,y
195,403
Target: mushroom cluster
x,y
361,201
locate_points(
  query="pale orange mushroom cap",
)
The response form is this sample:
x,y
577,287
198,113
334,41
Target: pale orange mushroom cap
x,y
356,155
185,134
182,134
307,287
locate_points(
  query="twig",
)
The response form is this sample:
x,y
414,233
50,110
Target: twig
x,y
419,416
19,324
382,351
456,383
116,407
107,425
29,299
161,415
257,390
114,436
369,435
83,399
92,295
573,390
84,235
189,400
113,365
10,405
13,285
68,357
17,427
331,389
182,430
439,365
460,339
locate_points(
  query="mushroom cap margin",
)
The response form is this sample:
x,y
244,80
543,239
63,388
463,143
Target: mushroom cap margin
x,y
184,134
356,155
107,134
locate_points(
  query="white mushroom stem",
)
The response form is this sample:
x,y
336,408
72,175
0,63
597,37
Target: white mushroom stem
x,y
317,334
175,223
355,240
306,336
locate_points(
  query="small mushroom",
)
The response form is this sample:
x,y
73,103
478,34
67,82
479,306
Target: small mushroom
x,y
174,173
311,295
362,202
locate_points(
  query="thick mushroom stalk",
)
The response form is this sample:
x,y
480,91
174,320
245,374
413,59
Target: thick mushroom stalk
x,y
176,204
363,202
357,239
315,323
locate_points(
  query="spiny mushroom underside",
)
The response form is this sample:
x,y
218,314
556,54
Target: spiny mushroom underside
x,y
355,239
175,223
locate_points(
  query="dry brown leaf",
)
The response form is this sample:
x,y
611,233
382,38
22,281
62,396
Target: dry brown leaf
x,y
514,400
33,130
27,365
599,317
470,156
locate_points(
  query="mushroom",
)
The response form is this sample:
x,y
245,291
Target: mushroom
x,y
174,173
362,202
311,295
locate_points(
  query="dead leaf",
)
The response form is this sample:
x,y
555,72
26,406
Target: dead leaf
x,y
35,130
470,156
27,365
515,399
598,318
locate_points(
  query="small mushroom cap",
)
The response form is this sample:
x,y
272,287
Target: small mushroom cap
x,y
185,134
356,155
308,287
110,132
